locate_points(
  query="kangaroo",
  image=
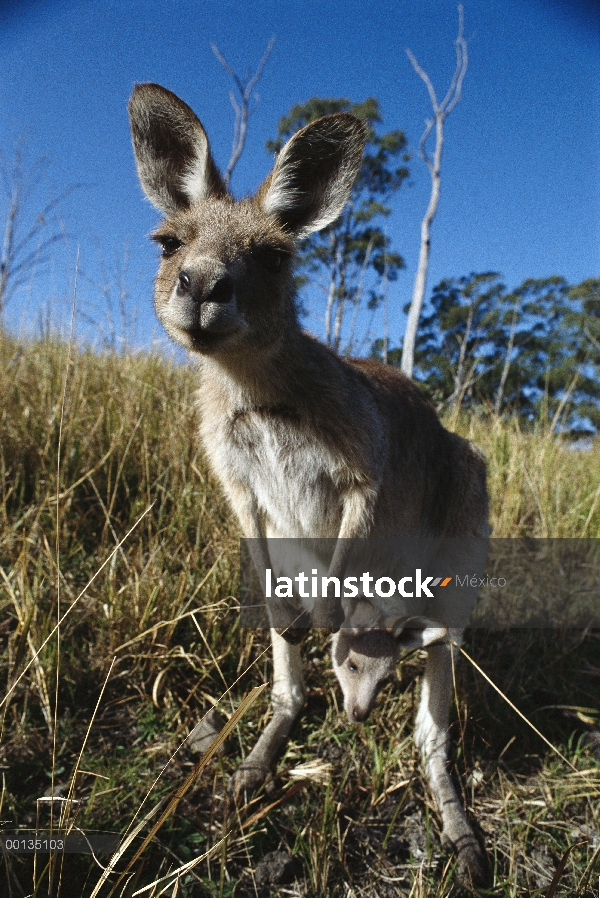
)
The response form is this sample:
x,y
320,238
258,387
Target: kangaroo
x,y
305,444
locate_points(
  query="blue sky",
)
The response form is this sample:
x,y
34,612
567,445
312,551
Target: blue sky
x,y
521,167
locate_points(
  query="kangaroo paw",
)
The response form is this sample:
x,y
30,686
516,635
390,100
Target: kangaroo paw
x,y
247,779
473,871
327,616
293,635
288,619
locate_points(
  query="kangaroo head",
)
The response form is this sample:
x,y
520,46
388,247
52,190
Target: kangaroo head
x,y
365,652
225,279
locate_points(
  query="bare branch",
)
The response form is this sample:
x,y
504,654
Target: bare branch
x,y
507,360
257,75
591,338
333,274
441,112
25,246
386,328
462,62
241,107
430,122
226,66
41,219
423,74
358,292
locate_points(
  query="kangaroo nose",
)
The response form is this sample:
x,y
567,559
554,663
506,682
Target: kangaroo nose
x,y
222,290
194,287
185,282
359,714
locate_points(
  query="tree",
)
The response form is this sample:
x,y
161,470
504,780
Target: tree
x,y
533,351
441,111
28,232
587,297
583,319
455,347
241,103
353,257
533,342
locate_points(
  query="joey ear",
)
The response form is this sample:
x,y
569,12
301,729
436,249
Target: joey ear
x,y
418,632
364,616
171,150
314,173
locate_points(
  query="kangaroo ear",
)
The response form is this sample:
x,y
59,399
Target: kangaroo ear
x,y
171,149
363,617
314,173
418,632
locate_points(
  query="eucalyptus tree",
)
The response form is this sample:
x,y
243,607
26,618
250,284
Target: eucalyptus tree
x,y
353,260
533,351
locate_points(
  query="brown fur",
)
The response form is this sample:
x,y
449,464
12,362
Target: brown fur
x,y
305,444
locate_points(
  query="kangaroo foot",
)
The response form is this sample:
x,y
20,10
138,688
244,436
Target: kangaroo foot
x,y
247,780
473,871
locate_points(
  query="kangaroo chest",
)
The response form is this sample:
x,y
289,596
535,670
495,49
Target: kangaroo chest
x,y
293,476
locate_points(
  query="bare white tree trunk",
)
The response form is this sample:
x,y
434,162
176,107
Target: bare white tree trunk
x,y
356,299
460,377
440,113
241,107
334,250
591,338
340,309
386,328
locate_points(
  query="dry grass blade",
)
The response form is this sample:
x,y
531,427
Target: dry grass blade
x,y
582,884
561,869
216,704
274,804
74,602
315,770
190,779
71,489
180,617
526,719
84,743
25,619
125,845
177,874
166,623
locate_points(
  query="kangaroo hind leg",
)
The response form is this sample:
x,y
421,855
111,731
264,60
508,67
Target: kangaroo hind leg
x,y
431,737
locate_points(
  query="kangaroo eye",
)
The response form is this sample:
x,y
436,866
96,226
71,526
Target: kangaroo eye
x,y
352,667
269,258
274,260
170,245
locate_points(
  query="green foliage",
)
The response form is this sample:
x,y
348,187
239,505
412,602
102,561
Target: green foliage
x,y
533,351
353,259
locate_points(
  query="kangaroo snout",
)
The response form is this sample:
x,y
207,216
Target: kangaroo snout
x,y
359,714
204,287
201,303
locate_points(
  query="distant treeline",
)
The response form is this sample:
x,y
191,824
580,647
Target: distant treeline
x,y
533,351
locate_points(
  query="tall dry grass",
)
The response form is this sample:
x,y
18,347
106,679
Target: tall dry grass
x,y
162,611
540,484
